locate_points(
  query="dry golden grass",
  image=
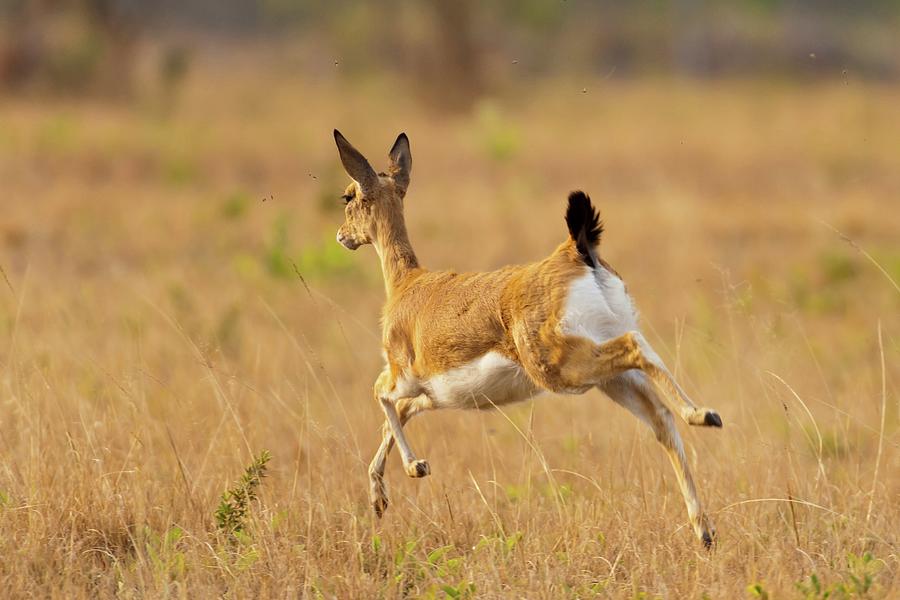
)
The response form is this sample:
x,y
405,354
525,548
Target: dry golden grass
x,y
156,337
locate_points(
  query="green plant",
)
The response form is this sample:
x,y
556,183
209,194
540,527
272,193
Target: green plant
x,y
506,543
443,565
837,268
179,170
163,551
514,493
812,588
276,254
500,137
861,571
231,515
402,558
465,589
235,205
325,259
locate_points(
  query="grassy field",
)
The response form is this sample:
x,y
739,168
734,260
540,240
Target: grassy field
x,y
173,303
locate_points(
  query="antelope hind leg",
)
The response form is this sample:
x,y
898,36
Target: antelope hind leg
x,y
635,392
684,406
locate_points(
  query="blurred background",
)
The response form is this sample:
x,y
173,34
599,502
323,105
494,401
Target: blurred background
x,y
455,52
173,300
787,105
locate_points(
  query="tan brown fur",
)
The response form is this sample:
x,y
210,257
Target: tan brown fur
x,y
437,322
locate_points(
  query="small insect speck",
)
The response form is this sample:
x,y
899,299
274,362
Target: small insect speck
x,y
515,62
812,55
313,176
269,197
336,63
584,90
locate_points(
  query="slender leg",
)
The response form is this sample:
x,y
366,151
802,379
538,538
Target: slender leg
x,y
414,467
587,362
657,371
634,391
386,394
406,409
377,489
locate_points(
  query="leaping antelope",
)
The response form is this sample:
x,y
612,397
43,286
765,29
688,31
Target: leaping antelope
x,y
564,324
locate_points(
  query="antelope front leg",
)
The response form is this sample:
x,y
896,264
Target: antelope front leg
x,y
383,392
377,490
406,409
414,467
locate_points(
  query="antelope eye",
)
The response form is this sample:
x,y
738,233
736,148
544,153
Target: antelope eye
x,y
346,198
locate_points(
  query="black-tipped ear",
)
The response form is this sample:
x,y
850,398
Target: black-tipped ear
x,y
401,162
355,163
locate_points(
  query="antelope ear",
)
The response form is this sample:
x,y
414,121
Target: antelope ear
x,y
355,163
401,162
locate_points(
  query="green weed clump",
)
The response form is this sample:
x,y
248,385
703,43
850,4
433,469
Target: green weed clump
x,y
858,581
233,510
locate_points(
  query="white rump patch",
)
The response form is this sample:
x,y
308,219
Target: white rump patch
x,y
598,307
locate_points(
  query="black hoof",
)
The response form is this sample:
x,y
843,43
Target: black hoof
x,y
380,506
712,419
418,468
707,540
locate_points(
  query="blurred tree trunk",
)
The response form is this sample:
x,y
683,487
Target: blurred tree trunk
x,y
75,46
451,71
20,44
691,47
110,20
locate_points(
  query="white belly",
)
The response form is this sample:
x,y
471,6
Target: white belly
x,y
491,379
598,307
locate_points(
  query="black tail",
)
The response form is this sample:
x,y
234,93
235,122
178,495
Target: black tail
x,y
584,226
